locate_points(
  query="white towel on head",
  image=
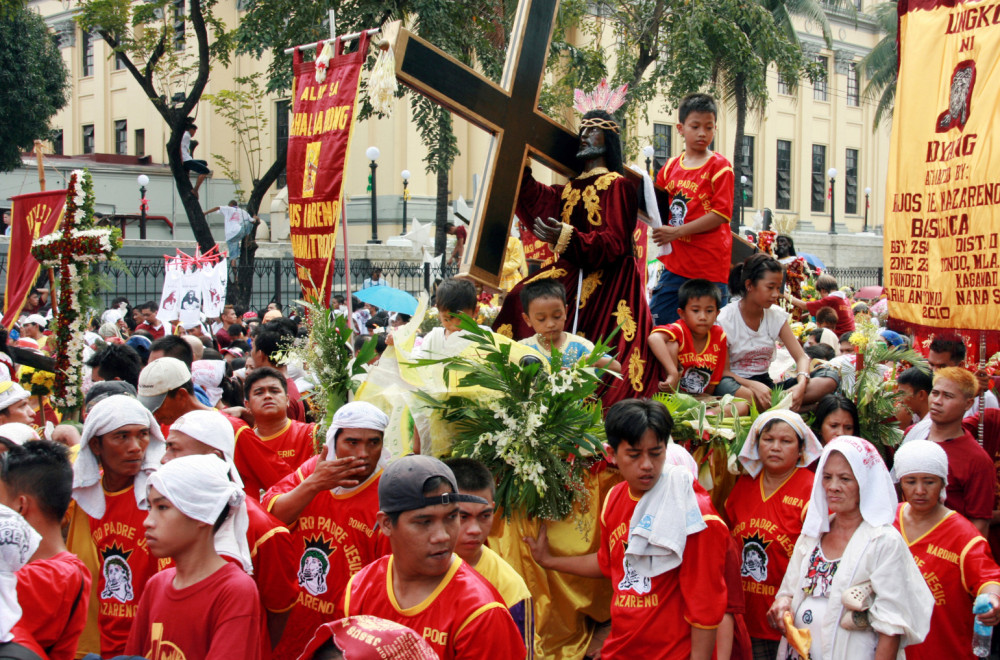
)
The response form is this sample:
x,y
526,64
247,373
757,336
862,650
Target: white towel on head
x,y
916,457
211,427
200,488
875,490
663,519
209,374
108,415
358,415
750,454
18,433
18,542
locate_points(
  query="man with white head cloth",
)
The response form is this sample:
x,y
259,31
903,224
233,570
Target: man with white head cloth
x,y
203,608
330,504
121,446
267,544
18,542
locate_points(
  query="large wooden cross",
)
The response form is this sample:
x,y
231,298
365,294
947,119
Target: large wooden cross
x,y
508,111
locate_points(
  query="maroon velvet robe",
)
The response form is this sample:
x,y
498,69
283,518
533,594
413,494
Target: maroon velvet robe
x,y
602,208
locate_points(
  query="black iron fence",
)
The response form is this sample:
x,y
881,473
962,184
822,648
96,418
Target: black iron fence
x,y
857,277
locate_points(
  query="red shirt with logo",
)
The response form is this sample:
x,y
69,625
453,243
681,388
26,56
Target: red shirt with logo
x,y
54,594
956,564
694,192
701,370
335,536
651,618
217,618
294,444
766,529
465,617
258,464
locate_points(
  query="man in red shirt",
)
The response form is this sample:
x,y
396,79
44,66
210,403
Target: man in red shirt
x,y
971,474
53,589
266,391
167,391
423,585
269,344
331,507
830,296
270,546
664,613
150,323
203,608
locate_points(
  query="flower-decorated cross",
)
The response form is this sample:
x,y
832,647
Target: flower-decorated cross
x,y
69,250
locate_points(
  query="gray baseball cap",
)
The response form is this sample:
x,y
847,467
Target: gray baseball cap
x,y
401,487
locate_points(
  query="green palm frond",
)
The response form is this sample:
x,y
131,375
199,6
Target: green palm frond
x,y
880,66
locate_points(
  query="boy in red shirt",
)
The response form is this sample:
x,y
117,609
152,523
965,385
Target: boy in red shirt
x,y
829,296
700,183
670,615
267,398
423,585
693,351
36,480
204,608
331,505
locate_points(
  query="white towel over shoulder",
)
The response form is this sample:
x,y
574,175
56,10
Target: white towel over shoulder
x,y
661,523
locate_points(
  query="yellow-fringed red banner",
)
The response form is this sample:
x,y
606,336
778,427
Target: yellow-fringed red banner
x,y
319,137
943,190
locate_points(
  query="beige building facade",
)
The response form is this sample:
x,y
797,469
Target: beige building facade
x,y
785,157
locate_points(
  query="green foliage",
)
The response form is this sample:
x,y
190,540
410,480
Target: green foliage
x,y
532,427
880,65
699,421
244,111
33,73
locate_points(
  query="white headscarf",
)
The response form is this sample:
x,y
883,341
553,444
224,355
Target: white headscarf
x,y
200,488
213,429
876,493
18,433
750,454
209,374
359,415
18,542
916,457
109,415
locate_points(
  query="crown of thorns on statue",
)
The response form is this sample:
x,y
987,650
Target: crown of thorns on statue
x,y
605,98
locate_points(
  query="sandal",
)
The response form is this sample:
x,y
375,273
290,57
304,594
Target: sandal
x,y
859,597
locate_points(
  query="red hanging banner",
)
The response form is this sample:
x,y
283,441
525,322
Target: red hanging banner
x,y
33,215
318,143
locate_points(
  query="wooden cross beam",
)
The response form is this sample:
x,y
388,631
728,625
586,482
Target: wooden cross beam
x,y
508,111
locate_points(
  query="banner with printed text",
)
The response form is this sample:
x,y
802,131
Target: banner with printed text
x,y
33,215
942,260
318,142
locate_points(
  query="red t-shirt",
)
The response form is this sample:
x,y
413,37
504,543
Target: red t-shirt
x,y
694,594
695,192
464,618
845,317
766,529
334,537
217,618
971,478
54,594
296,409
259,466
155,332
294,444
126,566
991,444
700,371
956,564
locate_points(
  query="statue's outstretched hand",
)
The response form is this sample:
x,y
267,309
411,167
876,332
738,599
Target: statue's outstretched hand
x,y
547,229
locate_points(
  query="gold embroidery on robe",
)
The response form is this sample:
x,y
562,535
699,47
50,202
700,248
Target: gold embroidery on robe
x,y
590,284
604,182
506,330
548,274
592,203
572,197
625,320
636,369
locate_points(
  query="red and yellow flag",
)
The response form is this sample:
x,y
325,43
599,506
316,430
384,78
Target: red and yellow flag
x,y
34,215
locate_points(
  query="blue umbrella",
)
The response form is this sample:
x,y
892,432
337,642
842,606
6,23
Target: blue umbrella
x,y
812,260
388,298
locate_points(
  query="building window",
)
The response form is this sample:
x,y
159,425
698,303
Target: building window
x,y
819,85
283,110
57,142
140,142
121,137
851,182
661,145
783,196
818,192
88,139
853,93
745,169
179,25
87,49
119,62
784,87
